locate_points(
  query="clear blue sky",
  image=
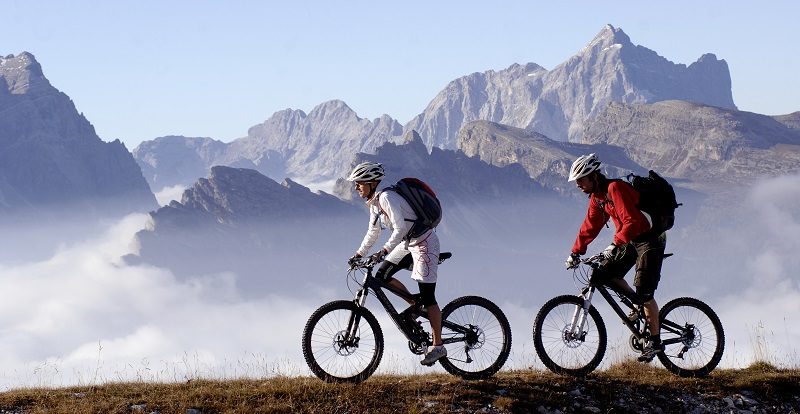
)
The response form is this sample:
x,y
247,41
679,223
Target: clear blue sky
x,y
142,69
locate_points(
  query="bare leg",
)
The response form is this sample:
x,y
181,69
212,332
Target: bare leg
x,y
650,307
399,285
622,285
435,316
651,313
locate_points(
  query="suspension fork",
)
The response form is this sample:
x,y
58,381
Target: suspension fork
x,y
580,317
355,317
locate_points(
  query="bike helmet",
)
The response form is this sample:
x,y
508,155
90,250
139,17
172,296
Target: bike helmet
x,y
367,171
583,166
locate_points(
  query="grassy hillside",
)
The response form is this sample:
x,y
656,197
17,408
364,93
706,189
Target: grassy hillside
x,y
628,387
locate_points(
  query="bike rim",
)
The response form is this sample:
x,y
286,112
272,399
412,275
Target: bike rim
x,y
699,336
479,349
560,346
337,353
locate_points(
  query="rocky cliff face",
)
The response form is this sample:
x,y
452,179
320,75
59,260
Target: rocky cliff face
x,y
50,155
699,142
559,102
316,146
545,160
790,120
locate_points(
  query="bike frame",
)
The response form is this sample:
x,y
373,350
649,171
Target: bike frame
x,y
639,328
376,285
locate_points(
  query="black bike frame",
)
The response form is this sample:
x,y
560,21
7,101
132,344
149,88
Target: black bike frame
x,y
376,285
639,331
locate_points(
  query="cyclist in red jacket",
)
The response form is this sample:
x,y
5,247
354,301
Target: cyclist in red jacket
x,y
634,242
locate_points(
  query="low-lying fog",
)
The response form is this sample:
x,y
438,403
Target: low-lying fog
x,y
73,312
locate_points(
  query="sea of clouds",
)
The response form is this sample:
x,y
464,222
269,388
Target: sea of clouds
x,y
75,313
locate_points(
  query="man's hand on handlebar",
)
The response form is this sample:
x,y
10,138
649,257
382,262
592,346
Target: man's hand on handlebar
x,y
573,260
352,261
378,256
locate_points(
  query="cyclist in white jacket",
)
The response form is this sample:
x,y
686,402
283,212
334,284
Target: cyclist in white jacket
x,y
390,210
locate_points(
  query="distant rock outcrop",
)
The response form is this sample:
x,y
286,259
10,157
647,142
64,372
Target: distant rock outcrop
x,y
558,103
699,142
177,160
50,155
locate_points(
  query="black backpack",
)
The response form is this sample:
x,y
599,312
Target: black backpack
x,y
656,198
424,203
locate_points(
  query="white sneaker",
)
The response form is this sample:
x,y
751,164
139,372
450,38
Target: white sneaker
x,y
433,354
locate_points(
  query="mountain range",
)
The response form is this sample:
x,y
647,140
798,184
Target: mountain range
x,y
612,98
559,104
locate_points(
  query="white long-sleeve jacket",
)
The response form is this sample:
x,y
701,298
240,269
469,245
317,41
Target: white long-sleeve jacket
x,y
388,210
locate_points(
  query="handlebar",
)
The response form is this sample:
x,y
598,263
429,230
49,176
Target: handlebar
x,y
594,261
368,263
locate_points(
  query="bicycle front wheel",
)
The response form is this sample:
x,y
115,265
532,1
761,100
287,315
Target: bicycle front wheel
x,y
342,342
693,337
564,348
478,339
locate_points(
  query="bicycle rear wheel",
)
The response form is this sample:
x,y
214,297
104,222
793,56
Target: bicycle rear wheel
x,y
693,337
481,344
342,342
562,350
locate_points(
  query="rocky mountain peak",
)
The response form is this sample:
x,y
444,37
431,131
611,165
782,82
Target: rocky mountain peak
x,y
333,108
51,156
413,139
609,36
22,73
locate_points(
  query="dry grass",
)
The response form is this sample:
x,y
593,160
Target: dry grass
x,y
517,391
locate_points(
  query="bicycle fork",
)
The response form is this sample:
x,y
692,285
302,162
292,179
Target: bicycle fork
x,y
351,334
576,330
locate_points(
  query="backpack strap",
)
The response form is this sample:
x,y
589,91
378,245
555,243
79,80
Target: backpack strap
x,y
381,212
378,205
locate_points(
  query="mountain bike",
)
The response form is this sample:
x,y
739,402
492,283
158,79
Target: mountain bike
x,y
570,337
343,342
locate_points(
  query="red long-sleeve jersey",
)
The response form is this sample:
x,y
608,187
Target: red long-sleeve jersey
x,y
619,204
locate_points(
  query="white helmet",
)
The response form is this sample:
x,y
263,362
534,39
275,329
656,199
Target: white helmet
x,y
367,171
583,166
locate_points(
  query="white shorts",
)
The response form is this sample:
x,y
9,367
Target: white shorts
x,y
424,253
